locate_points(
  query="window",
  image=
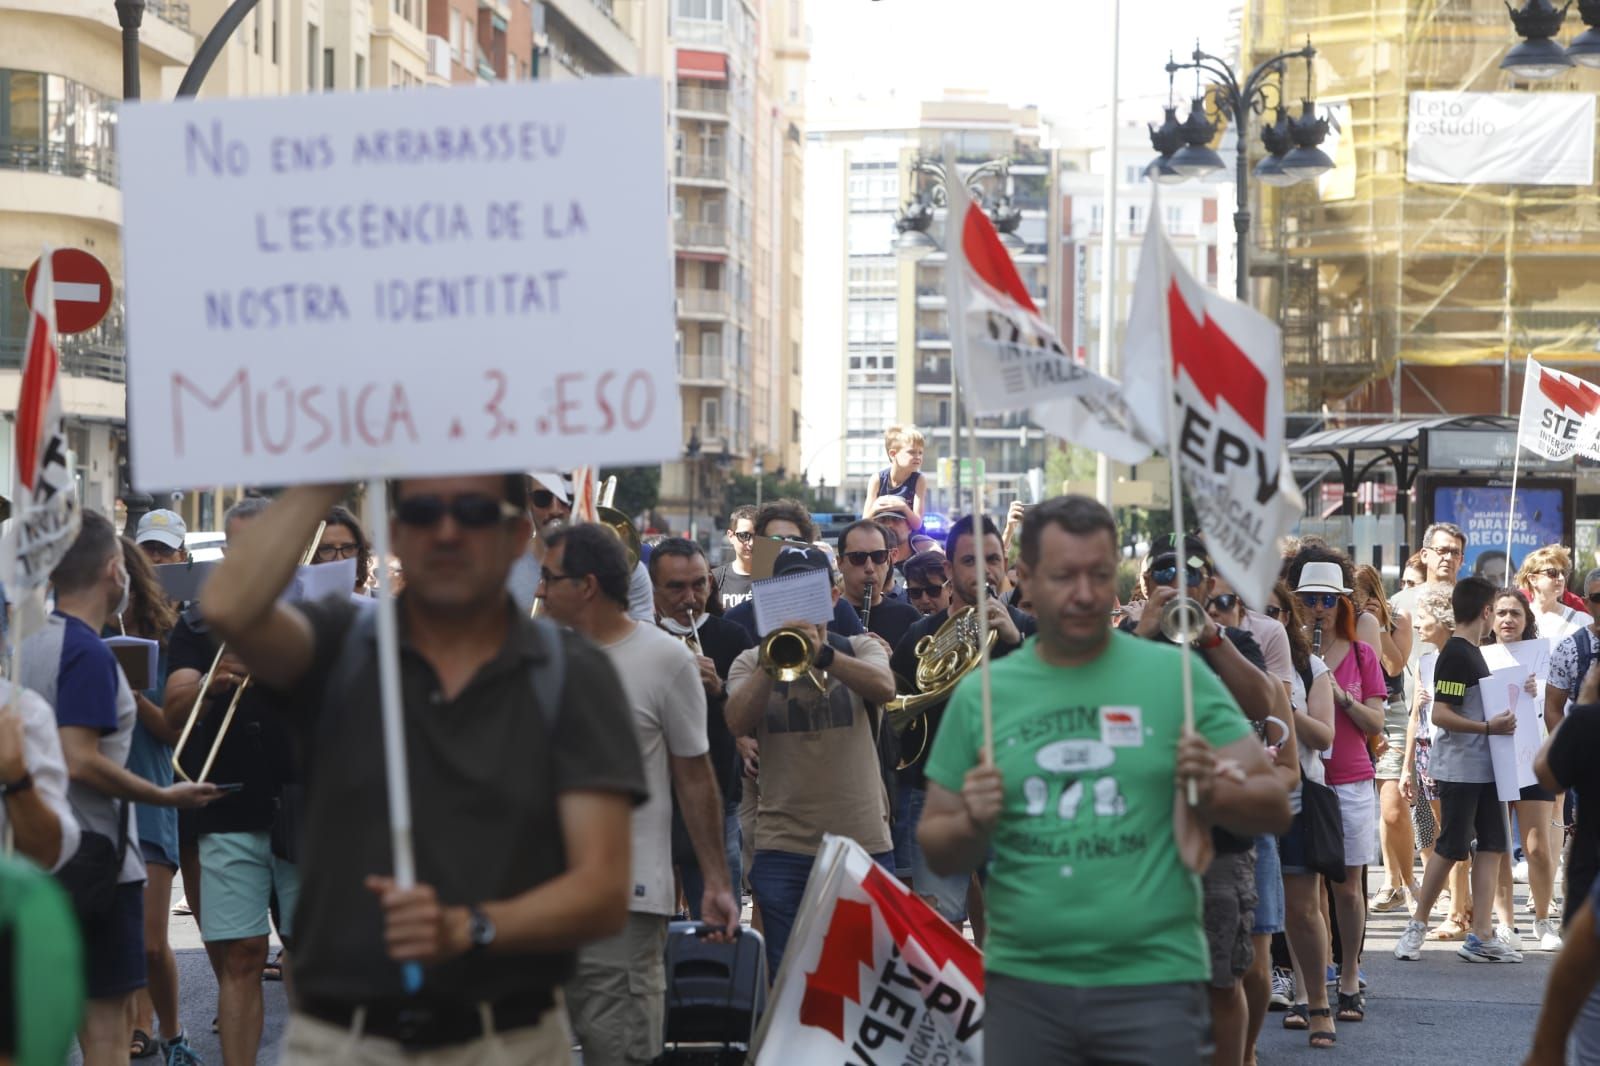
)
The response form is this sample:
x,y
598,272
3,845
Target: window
x,y
275,5
710,417
455,35
313,57
711,212
677,207
1097,215
1135,218
360,81
1175,220
255,30
327,69
710,345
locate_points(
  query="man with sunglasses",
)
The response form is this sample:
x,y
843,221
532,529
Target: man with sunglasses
x,y
927,585
523,785
948,894
864,559
733,577
1227,609
550,506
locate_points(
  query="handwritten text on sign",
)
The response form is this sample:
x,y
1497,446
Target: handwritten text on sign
x,y
354,285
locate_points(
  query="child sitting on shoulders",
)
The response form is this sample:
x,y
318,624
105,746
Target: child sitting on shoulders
x,y
903,476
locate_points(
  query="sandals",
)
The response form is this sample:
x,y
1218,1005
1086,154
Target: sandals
x,y
1352,1007
1320,1038
1297,1017
142,1046
273,970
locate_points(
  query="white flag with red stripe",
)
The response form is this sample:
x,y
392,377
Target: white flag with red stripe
x,y
1560,414
1224,361
45,517
1007,357
871,975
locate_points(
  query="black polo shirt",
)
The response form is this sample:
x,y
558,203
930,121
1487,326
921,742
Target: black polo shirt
x,y
485,776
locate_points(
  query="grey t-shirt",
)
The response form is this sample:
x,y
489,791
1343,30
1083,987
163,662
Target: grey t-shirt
x,y
1461,757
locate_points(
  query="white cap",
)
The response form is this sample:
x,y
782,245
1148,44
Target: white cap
x,y
163,527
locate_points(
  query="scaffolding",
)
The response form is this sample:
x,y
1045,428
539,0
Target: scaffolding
x,y
1374,278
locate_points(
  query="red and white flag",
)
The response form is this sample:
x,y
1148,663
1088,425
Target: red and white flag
x,y
45,516
1007,358
1227,431
1560,414
872,975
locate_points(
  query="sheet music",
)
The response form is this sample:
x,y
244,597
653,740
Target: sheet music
x,y
806,596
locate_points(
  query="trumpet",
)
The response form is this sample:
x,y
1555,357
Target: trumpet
x,y
1183,620
786,655
233,704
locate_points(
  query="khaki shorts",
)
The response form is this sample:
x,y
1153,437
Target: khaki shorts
x,y
618,995
313,1042
1230,893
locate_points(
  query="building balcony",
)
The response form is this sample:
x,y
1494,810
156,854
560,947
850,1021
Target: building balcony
x,y
711,168
933,338
69,160
596,22
701,235
703,303
96,355
703,100
713,370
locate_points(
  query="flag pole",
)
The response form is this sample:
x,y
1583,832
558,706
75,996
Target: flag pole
x,y
394,735
1516,467
980,554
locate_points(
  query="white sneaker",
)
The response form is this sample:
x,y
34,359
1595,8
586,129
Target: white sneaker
x,y
1282,990
1544,931
1519,872
1409,947
1509,937
1492,950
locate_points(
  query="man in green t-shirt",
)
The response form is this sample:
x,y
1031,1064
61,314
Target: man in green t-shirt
x,y
41,967
1094,916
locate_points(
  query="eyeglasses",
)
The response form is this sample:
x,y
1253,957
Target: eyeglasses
x,y
1448,553
472,511
878,557
743,536
916,592
1166,575
327,553
1325,600
1274,611
548,577
1224,601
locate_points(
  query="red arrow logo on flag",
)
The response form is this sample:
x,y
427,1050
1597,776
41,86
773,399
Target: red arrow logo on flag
x,y
1218,368
989,260
38,382
846,947
1571,394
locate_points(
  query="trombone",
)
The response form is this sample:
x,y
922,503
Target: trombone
x,y
233,704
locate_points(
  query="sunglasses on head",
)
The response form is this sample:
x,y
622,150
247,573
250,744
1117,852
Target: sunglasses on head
x,y
1325,600
1166,575
916,592
878,557
472,511
1224,601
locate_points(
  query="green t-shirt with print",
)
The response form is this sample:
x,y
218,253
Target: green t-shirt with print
x,y
41,967
1086,888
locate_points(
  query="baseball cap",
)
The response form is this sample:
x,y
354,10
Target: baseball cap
x,y
163,527
1165,551
797,559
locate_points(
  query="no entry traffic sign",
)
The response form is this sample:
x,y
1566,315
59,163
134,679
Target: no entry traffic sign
x,y
83,289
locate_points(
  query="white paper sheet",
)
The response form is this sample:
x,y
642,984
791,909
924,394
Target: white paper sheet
x,y
316,580
802,597
1512,755
1531,655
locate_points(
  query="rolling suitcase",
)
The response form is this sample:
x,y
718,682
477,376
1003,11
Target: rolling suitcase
x,y
715,996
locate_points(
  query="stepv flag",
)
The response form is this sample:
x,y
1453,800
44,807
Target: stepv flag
x,y
1560,414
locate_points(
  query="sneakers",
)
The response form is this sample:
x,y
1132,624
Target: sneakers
x,y
1282,990
1509,936
1544,931
1519,872
179,1053
1492,950
1409,947
1390,899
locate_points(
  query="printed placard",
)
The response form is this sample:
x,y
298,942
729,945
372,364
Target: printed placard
x,y
339,286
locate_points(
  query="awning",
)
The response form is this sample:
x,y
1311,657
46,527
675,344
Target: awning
x,y
707,66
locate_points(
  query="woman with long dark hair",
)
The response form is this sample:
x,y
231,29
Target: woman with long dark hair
x,y
343,538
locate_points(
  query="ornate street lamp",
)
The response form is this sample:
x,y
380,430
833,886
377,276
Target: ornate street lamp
x,y
1538,55
1585,47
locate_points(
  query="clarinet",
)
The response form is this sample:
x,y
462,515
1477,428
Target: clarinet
x,y
1316,639
866,607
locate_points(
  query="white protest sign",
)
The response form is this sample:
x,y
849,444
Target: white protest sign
x,y
340,286
1512,756
1532,655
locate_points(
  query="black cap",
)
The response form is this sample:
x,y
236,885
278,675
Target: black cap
x,y
1194,552
793,559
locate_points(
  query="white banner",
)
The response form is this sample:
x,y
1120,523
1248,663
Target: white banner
x,y
337,286
872,975
1457,138
1227,375
1560,414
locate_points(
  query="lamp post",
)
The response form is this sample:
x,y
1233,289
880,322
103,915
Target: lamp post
x,y
760,472
1185,150
691,452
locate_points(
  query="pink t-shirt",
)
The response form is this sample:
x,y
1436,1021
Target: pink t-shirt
x,y
1361,675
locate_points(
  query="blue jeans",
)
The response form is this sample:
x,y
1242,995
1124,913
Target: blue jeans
x,y
778,881
948,894
694,882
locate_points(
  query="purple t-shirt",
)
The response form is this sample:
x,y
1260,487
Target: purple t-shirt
x,y
1360,674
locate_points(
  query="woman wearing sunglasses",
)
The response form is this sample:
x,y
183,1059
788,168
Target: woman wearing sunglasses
x,y
1543,579
1359,693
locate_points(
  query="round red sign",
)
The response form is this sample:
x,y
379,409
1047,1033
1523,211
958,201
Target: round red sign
x,y
82,285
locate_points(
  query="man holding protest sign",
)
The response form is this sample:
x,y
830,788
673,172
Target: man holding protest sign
x,y
523,830
1078,808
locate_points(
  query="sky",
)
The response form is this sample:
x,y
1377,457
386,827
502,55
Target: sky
x,y
1052,53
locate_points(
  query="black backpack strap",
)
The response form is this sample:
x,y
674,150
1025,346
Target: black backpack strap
x,y
548,678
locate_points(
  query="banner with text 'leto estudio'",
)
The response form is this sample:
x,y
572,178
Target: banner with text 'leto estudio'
x,y
353,285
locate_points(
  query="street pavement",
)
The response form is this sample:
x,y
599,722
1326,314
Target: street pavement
x,y
1441,1011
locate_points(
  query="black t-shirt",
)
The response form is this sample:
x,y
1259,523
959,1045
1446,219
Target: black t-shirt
x,y
904,664
891,618
485,773
257,752
732,586
1575,761
722,641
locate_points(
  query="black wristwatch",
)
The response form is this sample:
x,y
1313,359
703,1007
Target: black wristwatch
x,y
824,657
21,784
480,930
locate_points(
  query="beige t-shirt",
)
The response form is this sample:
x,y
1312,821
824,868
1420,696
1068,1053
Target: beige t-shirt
x,y
819,763
669,715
